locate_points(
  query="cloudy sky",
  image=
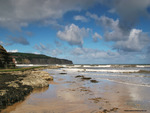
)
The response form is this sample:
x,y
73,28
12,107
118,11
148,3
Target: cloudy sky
x,y
84,31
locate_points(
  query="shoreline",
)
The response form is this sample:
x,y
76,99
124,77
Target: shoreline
x,y
15,85
81,94
76,92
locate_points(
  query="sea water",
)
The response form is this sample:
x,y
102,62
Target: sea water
x,y
138,75
123,86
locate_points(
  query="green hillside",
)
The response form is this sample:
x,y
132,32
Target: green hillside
x,y
30,58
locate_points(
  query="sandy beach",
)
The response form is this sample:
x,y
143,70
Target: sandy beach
x,y
73,94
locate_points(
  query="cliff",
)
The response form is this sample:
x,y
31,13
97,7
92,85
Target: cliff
x,y
29,58
6,60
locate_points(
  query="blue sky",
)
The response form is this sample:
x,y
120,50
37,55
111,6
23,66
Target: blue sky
x,y
84,31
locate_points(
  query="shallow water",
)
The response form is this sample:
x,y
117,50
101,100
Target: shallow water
x,y
68,94
127,74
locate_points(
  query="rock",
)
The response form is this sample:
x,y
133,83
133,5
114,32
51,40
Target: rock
x,y
114,109
2,92
37,79
94,81
44,75
86,78
79,76
48,78
11,89
63,73
12,84
105,111
35,82
6,60
96,100
108,111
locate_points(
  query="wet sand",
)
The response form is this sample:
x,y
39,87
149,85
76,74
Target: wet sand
x,y
68,94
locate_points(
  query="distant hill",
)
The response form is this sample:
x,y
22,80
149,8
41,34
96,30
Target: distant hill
x,y
30,58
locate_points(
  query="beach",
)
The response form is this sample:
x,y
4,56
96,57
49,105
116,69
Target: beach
x,y
89,89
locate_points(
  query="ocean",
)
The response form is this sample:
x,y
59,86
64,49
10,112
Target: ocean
x,y
138,75
122,88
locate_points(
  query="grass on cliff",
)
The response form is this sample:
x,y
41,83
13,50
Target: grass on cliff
x,y
20,69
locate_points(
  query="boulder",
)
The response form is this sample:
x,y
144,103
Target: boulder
x,y
37,79
6,60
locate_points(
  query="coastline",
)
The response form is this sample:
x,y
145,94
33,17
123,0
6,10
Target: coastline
x,y
16,85
77,91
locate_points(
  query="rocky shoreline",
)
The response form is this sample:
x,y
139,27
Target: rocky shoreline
x,y
15,86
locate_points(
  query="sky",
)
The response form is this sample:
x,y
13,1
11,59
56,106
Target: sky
x,y
84,31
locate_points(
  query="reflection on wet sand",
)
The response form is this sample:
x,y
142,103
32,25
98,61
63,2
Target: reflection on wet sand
x,y
40,90
67,94
19,104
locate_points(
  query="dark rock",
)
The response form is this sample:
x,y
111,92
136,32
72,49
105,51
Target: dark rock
x,y
63,73
86,78
79,76
94,81
114,109
6,60
12,94
105,111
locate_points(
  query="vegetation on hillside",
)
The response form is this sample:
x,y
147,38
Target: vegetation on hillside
x,y
30,58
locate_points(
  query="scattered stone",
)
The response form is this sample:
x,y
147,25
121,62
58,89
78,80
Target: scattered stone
x,y
79,76
107,101
72,90
94,81
105,111
96,100
63,73
114,109
85,89
86,78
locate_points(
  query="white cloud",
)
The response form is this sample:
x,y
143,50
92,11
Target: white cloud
x,y
96,56
42,48
18,40
73,34
131,41
12,51
80,18
130,11
36,53
96,36
46,49
111,26
56,52
1,43
93,53
137,40
17,13
53,23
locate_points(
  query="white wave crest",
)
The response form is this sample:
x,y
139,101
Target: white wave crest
x,y
112,71
142,65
